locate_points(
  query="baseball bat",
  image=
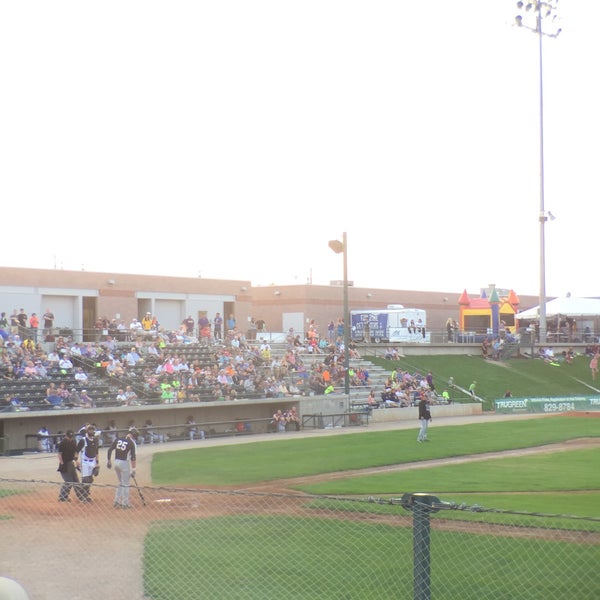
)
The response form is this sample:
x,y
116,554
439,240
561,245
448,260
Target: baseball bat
x,y
139,491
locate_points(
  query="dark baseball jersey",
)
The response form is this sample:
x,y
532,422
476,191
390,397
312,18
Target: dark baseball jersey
x,y
88,446
122,447
68,448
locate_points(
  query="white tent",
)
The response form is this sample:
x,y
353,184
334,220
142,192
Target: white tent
x,y
568,306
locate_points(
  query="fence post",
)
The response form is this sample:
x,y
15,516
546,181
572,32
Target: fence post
x,y
421,552
421,506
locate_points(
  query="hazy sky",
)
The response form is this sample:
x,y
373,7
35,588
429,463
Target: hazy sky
x,y
234,139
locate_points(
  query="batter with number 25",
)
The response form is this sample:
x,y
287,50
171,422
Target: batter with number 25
x,y
124,448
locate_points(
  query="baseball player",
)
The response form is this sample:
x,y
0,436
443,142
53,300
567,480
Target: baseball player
x,y
424,418
124,448
67,455
88,449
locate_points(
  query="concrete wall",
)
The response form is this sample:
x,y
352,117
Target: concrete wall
x,y
15,426
412,414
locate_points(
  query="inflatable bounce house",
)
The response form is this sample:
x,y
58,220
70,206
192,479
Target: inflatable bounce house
x,y
489,315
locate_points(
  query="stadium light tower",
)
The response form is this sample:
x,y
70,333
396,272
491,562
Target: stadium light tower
x,y
538,13
342,248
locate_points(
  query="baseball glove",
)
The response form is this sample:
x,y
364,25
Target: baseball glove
x,y
96,471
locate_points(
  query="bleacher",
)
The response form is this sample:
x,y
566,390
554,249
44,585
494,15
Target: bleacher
x,y
103,389
31,393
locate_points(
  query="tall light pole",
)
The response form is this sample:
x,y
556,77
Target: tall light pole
x,y
342,248
540,11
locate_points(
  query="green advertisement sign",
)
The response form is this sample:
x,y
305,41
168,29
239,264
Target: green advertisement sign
x,y
547,405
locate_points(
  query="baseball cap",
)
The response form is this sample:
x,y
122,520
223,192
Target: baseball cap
x,y
70,433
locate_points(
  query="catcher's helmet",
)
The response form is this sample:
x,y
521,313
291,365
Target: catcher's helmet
x,y
134,433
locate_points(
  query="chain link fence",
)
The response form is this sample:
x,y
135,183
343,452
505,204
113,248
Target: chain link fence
x,y
177,544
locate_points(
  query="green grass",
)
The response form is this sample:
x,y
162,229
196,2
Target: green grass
x,y
308,557
285,458
523,377
283,557
578,471
290,557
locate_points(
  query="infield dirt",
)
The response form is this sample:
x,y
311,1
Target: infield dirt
x,y
25,549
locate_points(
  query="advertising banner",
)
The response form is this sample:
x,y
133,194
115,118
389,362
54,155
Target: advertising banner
x,y
547,405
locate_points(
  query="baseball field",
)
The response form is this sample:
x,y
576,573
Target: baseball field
x,y
318,515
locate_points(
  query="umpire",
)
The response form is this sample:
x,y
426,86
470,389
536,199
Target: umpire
x,y
124,448
67,455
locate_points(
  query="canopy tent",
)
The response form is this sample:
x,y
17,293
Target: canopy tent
x,y
568,306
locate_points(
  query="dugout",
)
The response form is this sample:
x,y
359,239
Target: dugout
x,y
18,430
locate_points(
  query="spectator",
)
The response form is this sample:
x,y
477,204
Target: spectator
x,y
131,398
188,325
218,326
114,368
73,398
34,324
331,332
121,397
52,396
85,400
372,399
48,317
132,358
14,322
22,323
450,329
391,354
472,389
147,322
135,327
12,403
204,329
65,364
594,365
485,347
80,375
231,323
252,329
429,379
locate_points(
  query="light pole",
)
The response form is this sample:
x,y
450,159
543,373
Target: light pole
x,y
342,247
541,11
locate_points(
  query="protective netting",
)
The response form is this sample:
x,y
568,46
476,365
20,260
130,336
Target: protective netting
x,y
175,544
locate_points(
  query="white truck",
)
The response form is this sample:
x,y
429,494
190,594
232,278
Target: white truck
x,y
394,324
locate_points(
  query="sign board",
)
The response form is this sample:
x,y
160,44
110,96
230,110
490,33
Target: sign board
x,y
389,325
553,405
